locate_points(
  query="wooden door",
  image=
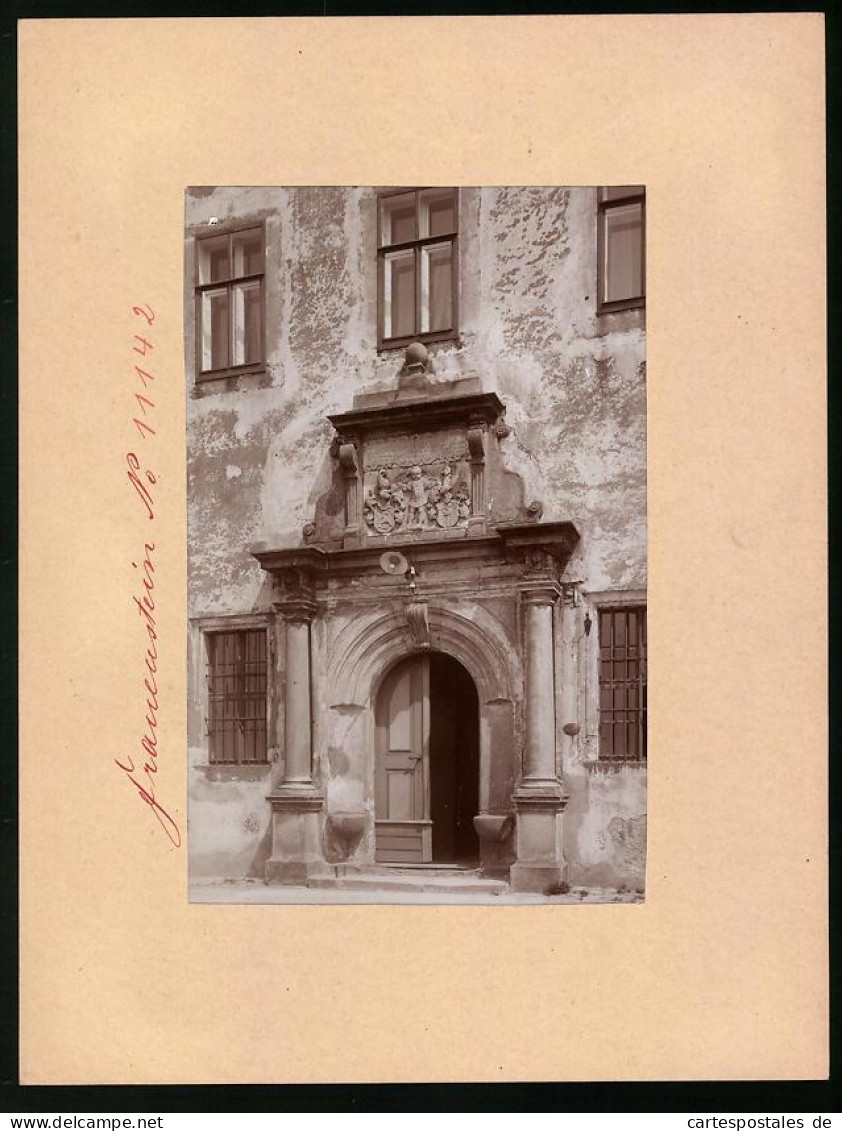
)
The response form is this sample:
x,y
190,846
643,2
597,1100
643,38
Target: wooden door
x,y
403,829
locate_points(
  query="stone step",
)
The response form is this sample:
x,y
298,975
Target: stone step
x,y
388,880
446,871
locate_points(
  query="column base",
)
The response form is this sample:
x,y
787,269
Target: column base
x,y
297,852
540,865
546,879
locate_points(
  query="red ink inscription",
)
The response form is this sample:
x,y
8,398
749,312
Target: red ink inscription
x,y
142,480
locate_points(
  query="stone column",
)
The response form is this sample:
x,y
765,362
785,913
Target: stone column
x,y
298,768
296,801
539,799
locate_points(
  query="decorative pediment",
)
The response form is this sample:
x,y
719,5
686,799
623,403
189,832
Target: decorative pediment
x,y
420,468
421,461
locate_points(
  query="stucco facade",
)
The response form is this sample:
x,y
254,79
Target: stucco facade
x,y
538,412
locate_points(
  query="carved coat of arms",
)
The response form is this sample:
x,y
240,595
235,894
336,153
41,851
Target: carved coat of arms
x,y
409,500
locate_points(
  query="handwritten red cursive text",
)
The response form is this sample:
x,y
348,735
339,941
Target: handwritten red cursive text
x,y
142,481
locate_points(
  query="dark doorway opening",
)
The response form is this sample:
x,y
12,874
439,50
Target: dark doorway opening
x,y
454,761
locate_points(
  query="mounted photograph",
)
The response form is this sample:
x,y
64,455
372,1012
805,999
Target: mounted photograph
x,y
417,544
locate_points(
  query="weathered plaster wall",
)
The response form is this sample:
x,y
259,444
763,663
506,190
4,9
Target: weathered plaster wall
x,y
573,383
605,833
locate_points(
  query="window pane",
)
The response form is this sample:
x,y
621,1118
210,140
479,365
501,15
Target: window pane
x,y
436,287
437,213
397,218
248,252
247,323
619,631
213,259
617,191
215,330
623,266
399,294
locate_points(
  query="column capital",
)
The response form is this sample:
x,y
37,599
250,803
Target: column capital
x,y
546,594
296,610
296,595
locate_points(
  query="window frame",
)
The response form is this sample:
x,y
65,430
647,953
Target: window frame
x,y
604,206
451,334
613,601
219,626
229,229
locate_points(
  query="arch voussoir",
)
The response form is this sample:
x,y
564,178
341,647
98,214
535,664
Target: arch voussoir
x,y
370,644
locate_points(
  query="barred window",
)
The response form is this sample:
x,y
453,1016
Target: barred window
x,y
622,684
237,675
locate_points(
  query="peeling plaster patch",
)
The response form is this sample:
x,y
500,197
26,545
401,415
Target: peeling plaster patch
x,y
320,283
226,202
358,336
224,509
532,240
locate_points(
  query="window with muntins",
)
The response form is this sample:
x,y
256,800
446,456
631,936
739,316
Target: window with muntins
x,y
621,252
237,690
417,266
622,684
229,302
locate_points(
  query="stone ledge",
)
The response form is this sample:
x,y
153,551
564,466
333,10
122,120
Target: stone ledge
x,y
547,798
296,801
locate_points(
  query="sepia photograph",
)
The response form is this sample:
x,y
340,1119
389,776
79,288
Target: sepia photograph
x,y
417,549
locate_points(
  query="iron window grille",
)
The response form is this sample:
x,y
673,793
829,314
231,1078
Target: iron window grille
x,y
237,675
622,684
230,302
621,248
417,266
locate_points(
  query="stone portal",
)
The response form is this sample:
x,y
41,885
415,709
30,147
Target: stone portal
x,y
472,618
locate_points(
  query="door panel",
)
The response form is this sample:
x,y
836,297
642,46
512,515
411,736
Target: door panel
x,y
402,808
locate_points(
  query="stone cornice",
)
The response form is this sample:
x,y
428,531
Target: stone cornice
x,y
558,539
555,539
419,414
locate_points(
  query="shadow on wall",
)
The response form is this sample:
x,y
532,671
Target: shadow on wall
x,y
257,867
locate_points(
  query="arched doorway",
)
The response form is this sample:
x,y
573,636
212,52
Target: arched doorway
x,y
426,763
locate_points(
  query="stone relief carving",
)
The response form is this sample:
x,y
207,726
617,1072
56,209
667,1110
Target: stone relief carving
x,y
424,448
294,584
411,499
539,563
419,625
